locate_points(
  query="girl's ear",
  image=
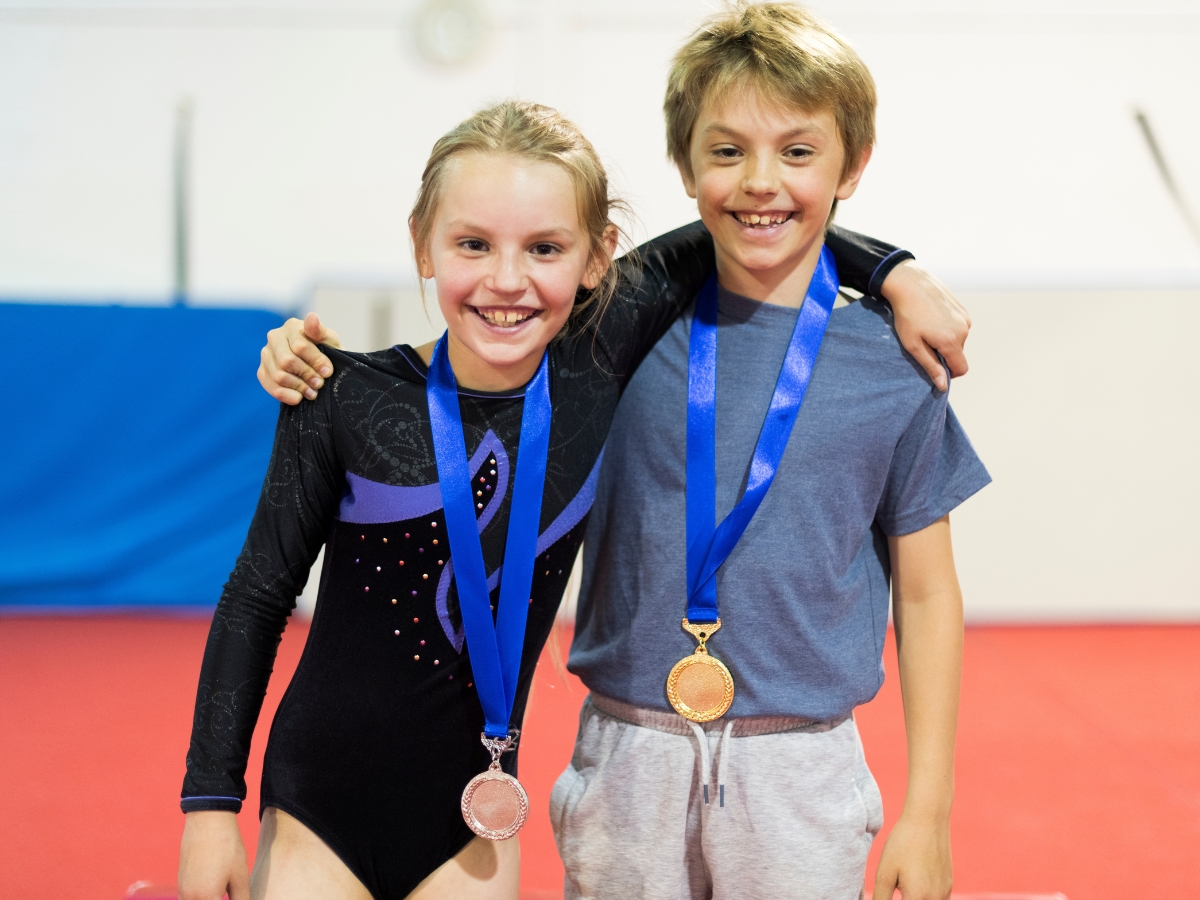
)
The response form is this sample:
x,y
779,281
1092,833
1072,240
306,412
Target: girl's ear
x,y
599,263
420,252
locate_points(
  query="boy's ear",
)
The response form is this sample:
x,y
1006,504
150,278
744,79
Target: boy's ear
x,y
689,182
850,183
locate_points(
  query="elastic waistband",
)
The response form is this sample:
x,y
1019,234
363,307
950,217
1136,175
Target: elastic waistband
x,y
673,723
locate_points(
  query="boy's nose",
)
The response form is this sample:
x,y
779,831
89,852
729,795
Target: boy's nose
x,y
760,178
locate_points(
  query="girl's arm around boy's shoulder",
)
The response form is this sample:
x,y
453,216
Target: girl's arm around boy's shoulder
x,y
658,281
930,321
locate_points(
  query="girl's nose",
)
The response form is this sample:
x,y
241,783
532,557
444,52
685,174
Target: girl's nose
x,y
508,276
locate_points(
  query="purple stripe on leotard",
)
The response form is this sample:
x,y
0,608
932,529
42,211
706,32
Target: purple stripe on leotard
x,y
571,516
575,510
367,502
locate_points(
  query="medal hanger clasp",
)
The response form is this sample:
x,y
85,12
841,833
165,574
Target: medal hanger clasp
x,y
499,746
701,631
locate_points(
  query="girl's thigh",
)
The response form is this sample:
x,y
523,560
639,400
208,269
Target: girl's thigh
x,y
482,870
292,863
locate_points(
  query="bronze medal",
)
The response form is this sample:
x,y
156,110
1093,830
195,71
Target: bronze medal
x,y
494,804
699,687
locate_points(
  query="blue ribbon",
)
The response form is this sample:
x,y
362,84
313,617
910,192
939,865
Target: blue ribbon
x,y
709,545
495,646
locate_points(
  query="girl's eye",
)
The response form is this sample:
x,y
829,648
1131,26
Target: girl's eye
x,y
727,153
473,245
544,249
798,153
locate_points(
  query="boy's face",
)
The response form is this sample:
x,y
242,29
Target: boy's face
x,y
765,178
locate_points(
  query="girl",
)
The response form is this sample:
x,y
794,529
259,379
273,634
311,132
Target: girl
x,y
379,731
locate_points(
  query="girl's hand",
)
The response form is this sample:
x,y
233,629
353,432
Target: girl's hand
x,y
212,858
916,862
292,365
929,320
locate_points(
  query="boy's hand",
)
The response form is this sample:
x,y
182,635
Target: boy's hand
x,y
928,318
292,366
212,858
916,862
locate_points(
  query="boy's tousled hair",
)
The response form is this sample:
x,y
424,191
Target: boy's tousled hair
x,y
534,132
786,54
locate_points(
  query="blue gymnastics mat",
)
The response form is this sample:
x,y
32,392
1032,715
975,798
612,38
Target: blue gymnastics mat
x,y
133,445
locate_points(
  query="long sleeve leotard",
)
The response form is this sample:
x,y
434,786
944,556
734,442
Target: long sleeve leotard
x,y
378,731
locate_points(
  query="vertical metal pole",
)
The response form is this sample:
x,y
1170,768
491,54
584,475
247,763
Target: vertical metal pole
x,y
182,167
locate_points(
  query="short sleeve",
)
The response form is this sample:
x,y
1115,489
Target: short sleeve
x,y
933,470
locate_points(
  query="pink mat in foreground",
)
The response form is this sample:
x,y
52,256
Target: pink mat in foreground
x,y
1078,763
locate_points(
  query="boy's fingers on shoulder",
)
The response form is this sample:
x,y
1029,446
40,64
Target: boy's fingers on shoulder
x,y
310,355
290,396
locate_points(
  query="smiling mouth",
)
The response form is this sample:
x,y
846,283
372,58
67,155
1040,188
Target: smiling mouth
x,y
507,317
761,220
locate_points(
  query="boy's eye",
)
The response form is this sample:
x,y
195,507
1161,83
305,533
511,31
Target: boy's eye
x,y
544,249
474,245
727,152
798,153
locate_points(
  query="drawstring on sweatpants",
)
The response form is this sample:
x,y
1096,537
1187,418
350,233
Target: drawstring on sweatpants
x,y
723,748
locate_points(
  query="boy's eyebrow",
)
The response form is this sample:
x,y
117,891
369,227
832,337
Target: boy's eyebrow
x,y
718,128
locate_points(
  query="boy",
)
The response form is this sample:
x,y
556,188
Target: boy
x,y
770,119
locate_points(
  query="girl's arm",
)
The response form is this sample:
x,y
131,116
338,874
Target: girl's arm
x,y
674,266
927,609
298,501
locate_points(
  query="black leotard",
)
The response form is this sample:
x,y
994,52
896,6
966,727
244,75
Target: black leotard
x,y
378,731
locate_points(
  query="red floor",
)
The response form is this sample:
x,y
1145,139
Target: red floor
x,y
1078,765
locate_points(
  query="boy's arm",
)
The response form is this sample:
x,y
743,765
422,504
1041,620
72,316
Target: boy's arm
x,y
927,608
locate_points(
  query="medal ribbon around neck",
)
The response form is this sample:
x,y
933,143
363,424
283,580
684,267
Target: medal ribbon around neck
x,y
495,647
709,545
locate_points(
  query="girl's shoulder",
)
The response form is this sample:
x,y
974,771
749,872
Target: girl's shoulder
x,y
400,363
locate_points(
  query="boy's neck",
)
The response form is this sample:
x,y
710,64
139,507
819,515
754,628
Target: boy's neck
x,y
783,285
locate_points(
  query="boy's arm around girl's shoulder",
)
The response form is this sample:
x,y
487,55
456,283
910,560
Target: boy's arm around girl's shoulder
x,y
297,502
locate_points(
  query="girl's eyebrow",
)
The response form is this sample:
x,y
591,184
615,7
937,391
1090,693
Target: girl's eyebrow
x,y
552,231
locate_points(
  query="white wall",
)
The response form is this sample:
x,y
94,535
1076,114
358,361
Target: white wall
x,y
1007,159
1084,407
1007,153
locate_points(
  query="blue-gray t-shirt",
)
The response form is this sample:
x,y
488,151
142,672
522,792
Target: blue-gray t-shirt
x,y
803,597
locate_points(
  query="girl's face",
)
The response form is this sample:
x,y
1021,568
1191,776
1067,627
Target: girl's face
x,y
507,252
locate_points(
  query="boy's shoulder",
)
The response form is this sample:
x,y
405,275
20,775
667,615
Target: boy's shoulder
x,y
863,336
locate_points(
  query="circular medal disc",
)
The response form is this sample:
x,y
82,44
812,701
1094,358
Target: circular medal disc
x,y
494,805
700,688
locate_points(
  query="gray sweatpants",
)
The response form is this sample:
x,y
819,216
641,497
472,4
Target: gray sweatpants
x,y
668,810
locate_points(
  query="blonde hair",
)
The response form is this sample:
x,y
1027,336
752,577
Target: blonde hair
x,y
788,55
534,132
